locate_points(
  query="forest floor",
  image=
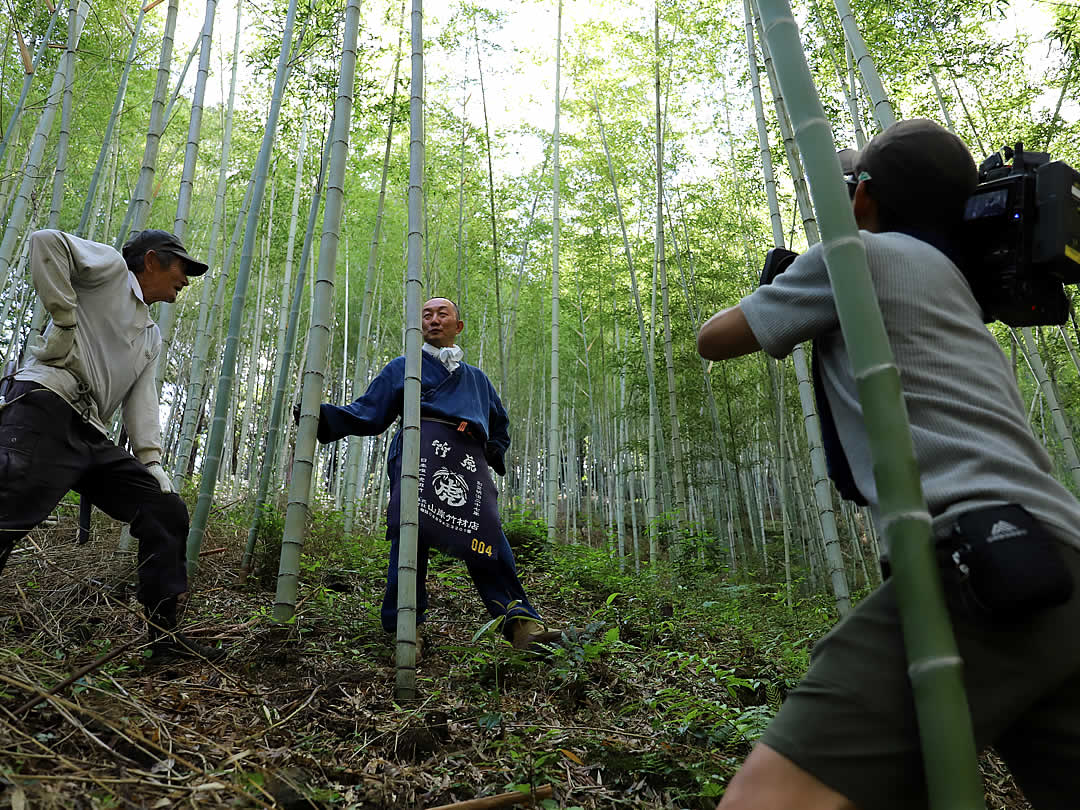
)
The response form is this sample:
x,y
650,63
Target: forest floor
x,y
652,702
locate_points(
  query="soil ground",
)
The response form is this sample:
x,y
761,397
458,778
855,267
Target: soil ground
x,y
649,704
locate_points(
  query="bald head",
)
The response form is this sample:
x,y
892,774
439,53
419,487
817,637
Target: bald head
x,y
440,322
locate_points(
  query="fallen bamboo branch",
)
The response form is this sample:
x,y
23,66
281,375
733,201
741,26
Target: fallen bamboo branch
x,y
218,550
501,800
64,684
234,502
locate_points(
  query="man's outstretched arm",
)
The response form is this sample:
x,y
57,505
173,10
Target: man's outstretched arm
x,y
725,335
369,415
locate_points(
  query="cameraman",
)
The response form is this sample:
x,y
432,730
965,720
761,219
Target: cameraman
x,y
847,736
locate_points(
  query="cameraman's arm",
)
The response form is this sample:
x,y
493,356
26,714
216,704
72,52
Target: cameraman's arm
x,y
798,305
725,335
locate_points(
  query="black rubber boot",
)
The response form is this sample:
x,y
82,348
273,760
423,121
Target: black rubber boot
x,y
169,644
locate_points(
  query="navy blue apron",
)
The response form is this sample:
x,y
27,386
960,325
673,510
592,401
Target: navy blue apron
x,y
458,499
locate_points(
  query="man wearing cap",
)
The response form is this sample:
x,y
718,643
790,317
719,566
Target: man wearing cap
x,y
99,353
463,434
847,736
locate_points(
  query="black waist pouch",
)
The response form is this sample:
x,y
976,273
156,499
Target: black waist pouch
x,y
1006,564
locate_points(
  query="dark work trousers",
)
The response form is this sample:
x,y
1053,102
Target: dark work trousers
x,y
47,449
481,543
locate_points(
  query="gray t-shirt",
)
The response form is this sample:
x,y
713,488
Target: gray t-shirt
x,y
972,441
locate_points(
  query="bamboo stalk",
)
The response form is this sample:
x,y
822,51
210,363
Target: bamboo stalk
x,y
139,205
935,667
661,267
500,800
30,67
1057,415
284,361
64,137
651,512
882,107
319,332
19,209
208,309
108,137
494,230
166,311
223,393
409,515
362,363
811,423
551,474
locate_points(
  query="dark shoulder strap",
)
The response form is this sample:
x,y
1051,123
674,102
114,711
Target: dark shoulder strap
x,y
835,461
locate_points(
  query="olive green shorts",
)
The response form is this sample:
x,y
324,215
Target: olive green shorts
x,y
851,721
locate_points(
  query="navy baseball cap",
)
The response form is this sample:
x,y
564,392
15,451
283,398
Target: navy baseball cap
x,y
163,241
915,167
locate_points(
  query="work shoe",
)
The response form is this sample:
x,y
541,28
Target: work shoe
x,y
530,634
176,646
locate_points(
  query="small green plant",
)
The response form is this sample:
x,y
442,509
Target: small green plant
x,y
527,535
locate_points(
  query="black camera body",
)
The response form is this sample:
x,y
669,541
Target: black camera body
x,y
1020,238
1019,242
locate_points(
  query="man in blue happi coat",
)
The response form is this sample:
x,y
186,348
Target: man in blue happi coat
x,y
463,434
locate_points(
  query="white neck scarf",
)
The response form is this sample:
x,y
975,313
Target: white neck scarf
x,y
449,356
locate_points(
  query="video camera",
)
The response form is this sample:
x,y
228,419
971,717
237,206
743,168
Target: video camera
x,y
1021,237
1019,242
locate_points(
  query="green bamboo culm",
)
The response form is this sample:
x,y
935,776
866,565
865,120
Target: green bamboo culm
x,y
1031,353
204,328
223,394
405,682
207,316
884,115
20,208
284,363
362,362
166,317
107,139
296,513
139,205
660,267
651,511
934,665
551,475
16,113
64,136
811,423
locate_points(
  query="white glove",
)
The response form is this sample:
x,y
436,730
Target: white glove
x,y
154,468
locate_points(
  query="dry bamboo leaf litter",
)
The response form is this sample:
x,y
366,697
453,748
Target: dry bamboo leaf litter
x,y
305,713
